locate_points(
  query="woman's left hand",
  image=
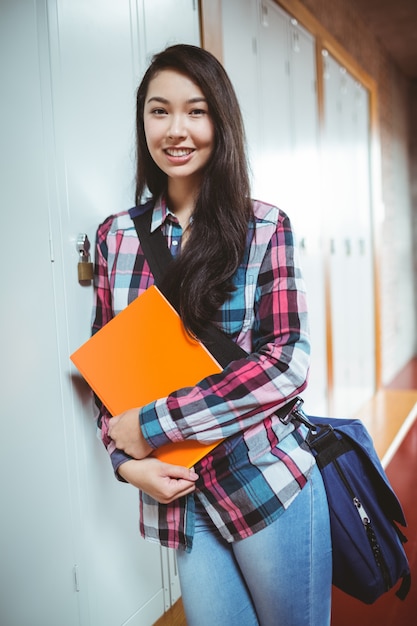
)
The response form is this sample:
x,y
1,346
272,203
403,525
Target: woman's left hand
x,y
125,431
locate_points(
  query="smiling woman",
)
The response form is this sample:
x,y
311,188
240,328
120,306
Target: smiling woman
x,y
249,522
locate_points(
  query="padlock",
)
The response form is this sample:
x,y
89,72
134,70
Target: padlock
x,y
85,271
85,267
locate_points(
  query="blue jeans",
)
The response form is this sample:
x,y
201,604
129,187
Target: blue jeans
x,y
280,576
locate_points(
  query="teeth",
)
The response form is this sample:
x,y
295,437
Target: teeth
x,y
178,152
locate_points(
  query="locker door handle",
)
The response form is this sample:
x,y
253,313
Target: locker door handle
x,y
348,247
85,267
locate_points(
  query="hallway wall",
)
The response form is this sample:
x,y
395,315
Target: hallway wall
x,y
396,237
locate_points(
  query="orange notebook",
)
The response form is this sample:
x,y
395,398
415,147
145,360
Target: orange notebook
x,y
143,354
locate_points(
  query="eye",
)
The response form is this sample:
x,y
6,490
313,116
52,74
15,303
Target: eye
x,y
198,112
158,111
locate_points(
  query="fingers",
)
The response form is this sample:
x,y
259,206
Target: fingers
x,y
125,431
177,481
162,481
178,471
172,492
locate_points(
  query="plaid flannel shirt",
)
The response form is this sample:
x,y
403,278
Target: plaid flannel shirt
x,y
247,481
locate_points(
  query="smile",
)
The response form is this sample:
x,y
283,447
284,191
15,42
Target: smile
x,y
178,152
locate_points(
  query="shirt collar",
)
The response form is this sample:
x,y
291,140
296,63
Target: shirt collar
x,y
161,214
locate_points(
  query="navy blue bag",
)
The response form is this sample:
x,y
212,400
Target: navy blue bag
x,y
368,553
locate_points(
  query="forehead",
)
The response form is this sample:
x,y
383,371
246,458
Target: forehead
x,y
173,82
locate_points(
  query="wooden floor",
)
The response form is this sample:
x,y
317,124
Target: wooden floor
x,y
389,416
174,617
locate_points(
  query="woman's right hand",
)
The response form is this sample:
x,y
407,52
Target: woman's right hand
x,y
162,481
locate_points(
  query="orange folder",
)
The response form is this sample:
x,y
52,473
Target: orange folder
x,y
143,354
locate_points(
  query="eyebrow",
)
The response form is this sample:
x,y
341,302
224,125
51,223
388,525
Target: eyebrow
x,y
165,101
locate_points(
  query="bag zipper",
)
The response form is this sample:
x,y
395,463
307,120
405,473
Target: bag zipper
x,y
367,524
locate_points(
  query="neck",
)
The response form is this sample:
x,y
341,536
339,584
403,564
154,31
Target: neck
x,y
181,200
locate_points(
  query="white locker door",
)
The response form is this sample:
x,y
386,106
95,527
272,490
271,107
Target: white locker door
x,y
36,540
305,206
347,175
363,248
273,168
337,207
271,61
240,56
289,167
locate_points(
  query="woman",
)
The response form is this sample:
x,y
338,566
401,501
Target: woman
x,y
250,521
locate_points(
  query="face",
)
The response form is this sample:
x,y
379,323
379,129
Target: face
x,y
178,127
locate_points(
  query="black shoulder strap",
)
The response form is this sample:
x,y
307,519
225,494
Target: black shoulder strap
x,y
154,245
157,253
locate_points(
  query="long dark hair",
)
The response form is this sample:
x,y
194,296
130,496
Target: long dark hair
x,y
200,280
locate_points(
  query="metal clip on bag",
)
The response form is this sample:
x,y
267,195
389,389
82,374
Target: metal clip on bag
x,y
368,553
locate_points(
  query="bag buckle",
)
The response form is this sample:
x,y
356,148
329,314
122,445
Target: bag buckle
x,y
294,412
291,411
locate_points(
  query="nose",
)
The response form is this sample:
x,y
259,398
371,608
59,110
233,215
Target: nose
x,y
177,127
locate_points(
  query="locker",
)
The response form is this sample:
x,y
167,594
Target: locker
x,y
346,149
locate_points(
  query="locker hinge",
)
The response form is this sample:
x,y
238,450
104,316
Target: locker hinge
x,y
76,578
